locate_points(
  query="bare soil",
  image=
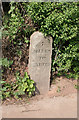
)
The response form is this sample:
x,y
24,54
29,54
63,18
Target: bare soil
x,y
59,102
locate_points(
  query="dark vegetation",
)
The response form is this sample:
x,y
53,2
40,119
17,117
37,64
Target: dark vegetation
x,y
20,20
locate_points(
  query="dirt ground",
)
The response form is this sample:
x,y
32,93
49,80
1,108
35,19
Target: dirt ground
x,y
59,102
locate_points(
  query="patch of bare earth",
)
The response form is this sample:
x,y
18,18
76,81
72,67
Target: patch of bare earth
x,y
59,102
60,86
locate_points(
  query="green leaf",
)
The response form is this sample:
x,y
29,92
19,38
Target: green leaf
x,y
27,89
31,85
2,82
26,75
30,93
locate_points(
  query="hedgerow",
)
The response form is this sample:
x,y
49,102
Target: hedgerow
x,y
59,20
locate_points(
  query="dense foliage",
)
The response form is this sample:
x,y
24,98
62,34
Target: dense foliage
x,y
17,24
17,29
58,20
22,86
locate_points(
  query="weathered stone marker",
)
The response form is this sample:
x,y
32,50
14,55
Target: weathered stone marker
x,y
40,53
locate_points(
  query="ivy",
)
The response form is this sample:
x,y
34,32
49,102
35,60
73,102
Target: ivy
x,y
59,20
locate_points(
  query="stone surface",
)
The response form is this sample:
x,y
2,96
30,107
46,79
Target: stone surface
x,y
40,53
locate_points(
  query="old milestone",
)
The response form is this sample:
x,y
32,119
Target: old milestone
x,y
40,53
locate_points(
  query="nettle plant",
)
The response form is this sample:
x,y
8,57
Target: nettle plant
x,y
22,86
59,20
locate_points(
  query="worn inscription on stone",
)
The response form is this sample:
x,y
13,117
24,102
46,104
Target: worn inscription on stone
x,y
42,51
